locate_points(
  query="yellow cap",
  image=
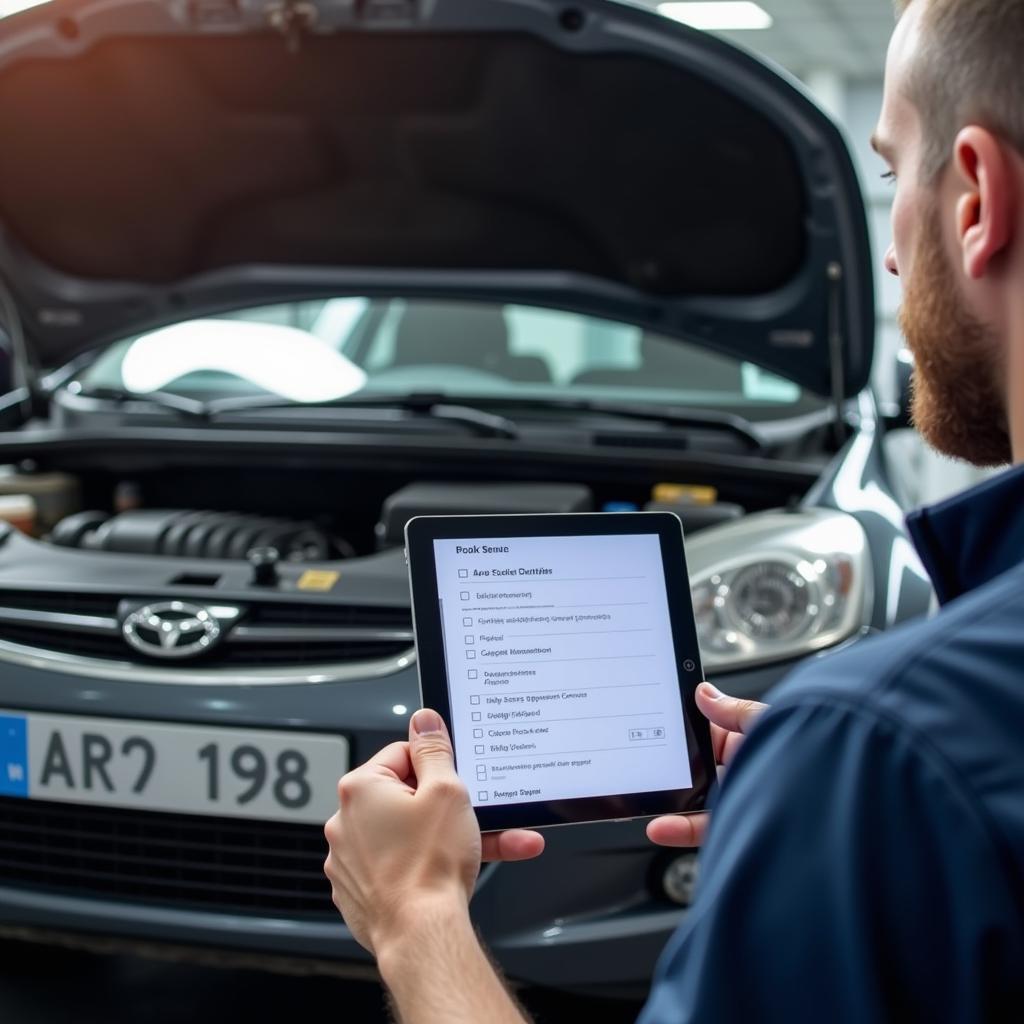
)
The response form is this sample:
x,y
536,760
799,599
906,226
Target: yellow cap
x,y
686,494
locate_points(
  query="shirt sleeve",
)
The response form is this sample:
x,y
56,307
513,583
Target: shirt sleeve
x,y
848,877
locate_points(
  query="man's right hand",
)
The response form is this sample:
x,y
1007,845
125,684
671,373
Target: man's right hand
x,y
731,719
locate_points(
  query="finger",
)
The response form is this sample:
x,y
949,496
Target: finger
x,y
394,758
430,748
516,844
719,739
678,830
730,713
732,743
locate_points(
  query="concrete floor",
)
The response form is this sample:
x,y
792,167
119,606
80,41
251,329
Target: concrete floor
x,y
40,985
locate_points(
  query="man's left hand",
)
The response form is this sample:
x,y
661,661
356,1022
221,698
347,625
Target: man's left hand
x,y
405,841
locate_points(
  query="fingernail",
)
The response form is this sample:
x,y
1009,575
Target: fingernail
x,y
426,721
710,692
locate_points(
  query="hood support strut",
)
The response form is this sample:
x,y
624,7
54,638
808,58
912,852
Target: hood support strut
x,y
20,397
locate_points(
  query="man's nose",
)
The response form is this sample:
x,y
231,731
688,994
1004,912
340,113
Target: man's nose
x,y
890,261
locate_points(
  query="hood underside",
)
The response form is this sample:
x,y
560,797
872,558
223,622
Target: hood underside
x,y
625,167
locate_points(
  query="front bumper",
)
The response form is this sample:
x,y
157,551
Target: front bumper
x,y
587,915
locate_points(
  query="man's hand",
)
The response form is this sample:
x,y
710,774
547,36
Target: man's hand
x,y
405,841
731,719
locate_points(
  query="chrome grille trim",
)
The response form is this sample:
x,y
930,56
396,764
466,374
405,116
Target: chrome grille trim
x,y
240,634
124,671
63,620
316,634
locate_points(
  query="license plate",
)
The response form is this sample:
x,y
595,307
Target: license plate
x,y
189,769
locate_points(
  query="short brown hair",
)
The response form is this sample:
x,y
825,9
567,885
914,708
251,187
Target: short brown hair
x,y
968,71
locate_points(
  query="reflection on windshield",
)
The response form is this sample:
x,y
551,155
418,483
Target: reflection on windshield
x,y
322,350
282,360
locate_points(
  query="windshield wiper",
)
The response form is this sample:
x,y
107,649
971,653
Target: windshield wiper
x,y
437,406
484,424
669,415
190,408
431,405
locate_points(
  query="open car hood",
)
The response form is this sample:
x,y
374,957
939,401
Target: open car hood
x,y
162,160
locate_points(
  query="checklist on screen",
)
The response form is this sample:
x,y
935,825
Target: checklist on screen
x,y
561,667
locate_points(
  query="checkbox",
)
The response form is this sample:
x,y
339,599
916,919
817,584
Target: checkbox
x,y
471,655
478,749
472,674
481,796
470,639
481,773
463,574
467,622
464,595
475,699
476,716
478,734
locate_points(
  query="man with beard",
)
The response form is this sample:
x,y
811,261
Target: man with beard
x,y
866,858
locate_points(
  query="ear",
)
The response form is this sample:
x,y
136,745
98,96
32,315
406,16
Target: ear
x,y
985,208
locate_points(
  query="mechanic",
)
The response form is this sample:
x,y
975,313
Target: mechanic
x,y
866,854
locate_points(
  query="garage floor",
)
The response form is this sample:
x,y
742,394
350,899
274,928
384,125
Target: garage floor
x,y
39,985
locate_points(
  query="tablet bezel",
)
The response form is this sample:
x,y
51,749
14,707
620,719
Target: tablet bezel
x,y
420,534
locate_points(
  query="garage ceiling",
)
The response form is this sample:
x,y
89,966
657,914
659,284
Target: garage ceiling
x,y
849,37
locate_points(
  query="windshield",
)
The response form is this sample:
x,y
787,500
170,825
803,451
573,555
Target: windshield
x,y
328,349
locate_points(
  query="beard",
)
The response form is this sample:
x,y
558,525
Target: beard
x,y
959,404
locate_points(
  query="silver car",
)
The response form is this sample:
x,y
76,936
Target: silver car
x,y
275,278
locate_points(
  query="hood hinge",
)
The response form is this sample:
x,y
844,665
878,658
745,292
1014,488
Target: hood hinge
x,y
835,348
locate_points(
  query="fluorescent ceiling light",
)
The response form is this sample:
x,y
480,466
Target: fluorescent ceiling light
x,y
8,7
730,15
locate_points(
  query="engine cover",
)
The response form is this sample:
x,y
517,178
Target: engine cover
x,y
193,534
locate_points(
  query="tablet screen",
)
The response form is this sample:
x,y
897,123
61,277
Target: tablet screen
x,y
561,667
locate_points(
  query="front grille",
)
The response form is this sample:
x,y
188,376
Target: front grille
x,y
53,630
256,654
69,603
90,645
185,861
113,648
281,614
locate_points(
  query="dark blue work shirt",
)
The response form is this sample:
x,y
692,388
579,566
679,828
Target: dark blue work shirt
x,y
865,861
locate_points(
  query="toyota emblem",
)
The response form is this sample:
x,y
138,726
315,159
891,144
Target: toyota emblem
x,y
171,629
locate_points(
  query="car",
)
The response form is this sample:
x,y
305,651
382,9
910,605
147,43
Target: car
x,y
275,279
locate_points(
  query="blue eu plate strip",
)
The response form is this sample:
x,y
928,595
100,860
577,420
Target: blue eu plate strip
x,y
13,755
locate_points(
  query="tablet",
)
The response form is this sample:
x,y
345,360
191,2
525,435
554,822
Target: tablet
x,y
561,651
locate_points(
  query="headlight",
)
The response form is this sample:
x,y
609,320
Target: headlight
x,y
777,585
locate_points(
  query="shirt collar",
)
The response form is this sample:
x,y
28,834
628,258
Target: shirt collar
x,y
972,538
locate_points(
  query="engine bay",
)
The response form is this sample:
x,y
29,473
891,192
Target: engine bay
x,y
130,524
299,563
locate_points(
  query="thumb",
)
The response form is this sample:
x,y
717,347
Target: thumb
x,y
430,747
729,713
